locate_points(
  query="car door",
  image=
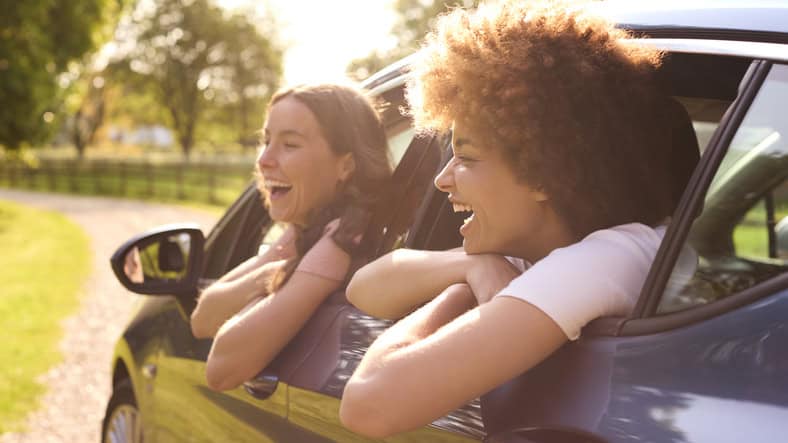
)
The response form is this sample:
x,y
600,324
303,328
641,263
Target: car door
x,y
702,358
185,408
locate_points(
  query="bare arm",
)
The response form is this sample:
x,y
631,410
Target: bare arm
x,y
401,280
227,296
249,341
428,364
235,289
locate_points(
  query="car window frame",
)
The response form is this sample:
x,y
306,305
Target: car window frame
x,y
236,217
644,319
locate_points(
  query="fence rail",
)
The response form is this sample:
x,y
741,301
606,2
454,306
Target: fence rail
x,y
204,182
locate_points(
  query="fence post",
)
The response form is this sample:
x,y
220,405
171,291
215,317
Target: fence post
x,y
50,174
71,168
150,179
95,176
212,171
29,175
179,194
122,174
12,173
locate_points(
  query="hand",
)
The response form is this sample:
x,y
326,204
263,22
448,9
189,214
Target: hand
x,y
487,274
264,274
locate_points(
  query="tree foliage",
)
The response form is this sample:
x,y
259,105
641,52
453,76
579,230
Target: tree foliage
x,y
415,19
89,114
39,42
193,58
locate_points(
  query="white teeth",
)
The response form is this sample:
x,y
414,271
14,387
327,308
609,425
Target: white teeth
x,y
467,220
275,183
461,208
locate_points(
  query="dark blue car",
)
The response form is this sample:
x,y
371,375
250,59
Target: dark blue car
x,y
703,357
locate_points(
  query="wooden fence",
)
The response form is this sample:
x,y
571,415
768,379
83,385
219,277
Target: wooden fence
x,y
205,182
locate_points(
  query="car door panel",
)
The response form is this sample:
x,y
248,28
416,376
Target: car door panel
x,y
196,412
703,383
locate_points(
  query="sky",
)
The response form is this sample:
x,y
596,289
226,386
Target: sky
x,y
322,36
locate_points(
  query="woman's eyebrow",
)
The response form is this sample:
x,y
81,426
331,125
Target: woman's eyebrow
x,y
286,132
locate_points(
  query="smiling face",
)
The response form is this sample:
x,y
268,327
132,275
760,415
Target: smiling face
x,y
300,173
506,216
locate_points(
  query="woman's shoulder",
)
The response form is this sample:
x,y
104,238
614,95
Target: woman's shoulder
x,y
325,257
635,239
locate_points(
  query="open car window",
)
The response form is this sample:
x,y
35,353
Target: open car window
x,y
734,243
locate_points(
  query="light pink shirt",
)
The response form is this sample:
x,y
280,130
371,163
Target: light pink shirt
x,y
601,275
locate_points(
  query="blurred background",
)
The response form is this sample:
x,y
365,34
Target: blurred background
x,y
116,97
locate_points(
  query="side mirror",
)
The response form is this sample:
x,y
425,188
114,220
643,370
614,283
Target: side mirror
x,y
166,260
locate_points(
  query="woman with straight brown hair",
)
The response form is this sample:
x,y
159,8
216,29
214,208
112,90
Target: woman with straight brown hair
x,y
321,170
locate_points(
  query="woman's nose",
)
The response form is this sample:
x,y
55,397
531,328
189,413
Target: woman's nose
x,y
266,159
444,181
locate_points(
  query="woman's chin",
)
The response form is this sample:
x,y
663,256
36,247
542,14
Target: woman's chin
x,y
470,247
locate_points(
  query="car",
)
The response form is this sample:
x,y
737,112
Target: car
x,y
700,359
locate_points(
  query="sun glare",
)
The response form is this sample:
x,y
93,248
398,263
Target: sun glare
x,y
323,37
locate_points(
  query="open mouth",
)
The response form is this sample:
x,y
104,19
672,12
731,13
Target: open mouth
x,y
277,189
466,209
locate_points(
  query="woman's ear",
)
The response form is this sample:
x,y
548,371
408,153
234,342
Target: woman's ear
x,y
347,165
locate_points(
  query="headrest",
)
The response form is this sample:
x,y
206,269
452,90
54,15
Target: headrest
x,y
684,150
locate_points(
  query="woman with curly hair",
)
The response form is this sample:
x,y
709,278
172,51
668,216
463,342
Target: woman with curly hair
x,y
560,138
322,168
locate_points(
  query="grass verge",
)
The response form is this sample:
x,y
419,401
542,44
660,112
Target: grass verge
x,y
44,260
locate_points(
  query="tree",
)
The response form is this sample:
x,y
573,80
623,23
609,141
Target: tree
x,y
40,42
89,114
255,70
194,57
416,17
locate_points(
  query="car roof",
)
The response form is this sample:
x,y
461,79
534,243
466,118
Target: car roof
x,y
747,20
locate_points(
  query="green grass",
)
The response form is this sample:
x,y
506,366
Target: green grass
x,y
751,241
44,260
751,235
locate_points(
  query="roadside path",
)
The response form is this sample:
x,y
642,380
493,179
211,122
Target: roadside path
x,y
81,384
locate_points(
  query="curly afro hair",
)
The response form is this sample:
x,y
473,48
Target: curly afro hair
x,y
574,107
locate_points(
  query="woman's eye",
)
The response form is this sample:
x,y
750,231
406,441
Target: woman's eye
x,y
464,159
291,145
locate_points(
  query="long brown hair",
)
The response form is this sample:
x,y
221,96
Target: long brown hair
x,y
350,124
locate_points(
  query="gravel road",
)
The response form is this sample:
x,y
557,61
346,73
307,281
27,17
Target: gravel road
x,y
79,387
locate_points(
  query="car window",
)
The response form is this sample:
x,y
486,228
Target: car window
x,y
221,244
733,244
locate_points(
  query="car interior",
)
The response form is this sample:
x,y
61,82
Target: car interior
x,y
736,235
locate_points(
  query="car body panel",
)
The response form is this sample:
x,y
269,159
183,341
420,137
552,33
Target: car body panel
x,y
710,382
749,17
194,409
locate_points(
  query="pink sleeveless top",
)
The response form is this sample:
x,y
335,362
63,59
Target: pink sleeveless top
x,y
324,259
